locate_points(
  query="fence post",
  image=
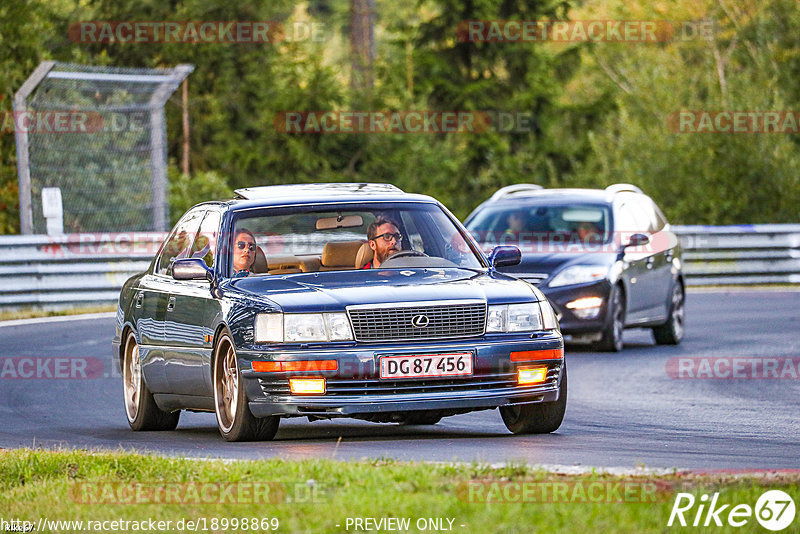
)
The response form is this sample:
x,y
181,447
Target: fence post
x,y
23,155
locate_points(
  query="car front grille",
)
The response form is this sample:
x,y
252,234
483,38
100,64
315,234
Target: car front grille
x,y
403,322
355,387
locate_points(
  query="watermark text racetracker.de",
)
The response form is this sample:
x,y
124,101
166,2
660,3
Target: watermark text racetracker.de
x,y
244,492
734,122
403,122
144,244
733,367
70,122
597,491
195,32
582,31
592,241
52,368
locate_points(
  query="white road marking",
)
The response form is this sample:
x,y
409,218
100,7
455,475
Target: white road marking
x,y
59,318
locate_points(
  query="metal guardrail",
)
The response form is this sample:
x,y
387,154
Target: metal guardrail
x,y
741,255
52,272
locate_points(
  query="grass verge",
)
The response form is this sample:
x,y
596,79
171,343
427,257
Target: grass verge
x,y
328,496
31,313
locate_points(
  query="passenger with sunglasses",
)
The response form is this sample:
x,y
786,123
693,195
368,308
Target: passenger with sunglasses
x,y
244,252
384,240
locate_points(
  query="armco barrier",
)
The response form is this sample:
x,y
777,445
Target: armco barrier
x,y
741,255
81,269
75,269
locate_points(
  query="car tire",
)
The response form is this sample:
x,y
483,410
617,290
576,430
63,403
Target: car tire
x,y
234,419
421,418
611,339
141,409
541,418
671,332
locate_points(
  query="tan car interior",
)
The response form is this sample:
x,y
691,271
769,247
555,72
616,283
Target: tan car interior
x,y
336,256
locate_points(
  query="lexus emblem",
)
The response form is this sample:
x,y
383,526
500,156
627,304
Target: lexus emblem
x,y
420,321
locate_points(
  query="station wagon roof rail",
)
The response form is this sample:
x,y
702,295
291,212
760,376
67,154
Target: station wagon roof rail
x,y
515,190
626,188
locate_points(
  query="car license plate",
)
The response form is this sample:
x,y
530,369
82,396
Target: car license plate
x,y
426,365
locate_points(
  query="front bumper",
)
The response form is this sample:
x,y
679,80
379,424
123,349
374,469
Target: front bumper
x,y
570,323
355,389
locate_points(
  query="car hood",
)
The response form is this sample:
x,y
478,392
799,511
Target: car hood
x,y
333,291
551,263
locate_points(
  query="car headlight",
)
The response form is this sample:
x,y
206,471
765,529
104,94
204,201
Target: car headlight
x,y
515,318
549,320
302,327
579,274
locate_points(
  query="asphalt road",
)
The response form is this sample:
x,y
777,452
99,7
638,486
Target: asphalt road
x,y
624,409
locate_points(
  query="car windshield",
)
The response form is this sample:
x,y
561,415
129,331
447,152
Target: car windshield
x,y
535,225
318,238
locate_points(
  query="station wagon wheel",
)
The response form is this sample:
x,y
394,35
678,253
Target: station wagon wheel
x,y
140,407
234,419
611,340
541,418
671,332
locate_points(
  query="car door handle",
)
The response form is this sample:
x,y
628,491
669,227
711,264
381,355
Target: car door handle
x,y
171,304
650,261
139,299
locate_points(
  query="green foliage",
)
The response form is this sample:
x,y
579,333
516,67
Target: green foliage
x,y
187,190
600,109
749,64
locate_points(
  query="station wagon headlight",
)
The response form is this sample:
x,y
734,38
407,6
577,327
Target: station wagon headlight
x,y
515,318
302,327
579,274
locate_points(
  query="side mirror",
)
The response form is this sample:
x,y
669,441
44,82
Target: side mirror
x,y
636,240
191,269
505,256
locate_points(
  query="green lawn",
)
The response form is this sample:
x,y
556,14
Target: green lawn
x,y
329,496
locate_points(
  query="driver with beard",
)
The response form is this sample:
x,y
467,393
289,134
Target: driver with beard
x,y
384,240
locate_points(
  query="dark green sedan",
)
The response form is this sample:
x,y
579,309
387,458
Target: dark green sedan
x,y
334,300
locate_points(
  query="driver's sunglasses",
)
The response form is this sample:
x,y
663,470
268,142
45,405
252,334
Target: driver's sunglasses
x,y
388,236
242,244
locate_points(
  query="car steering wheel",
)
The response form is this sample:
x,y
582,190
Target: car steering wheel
x,y
406,254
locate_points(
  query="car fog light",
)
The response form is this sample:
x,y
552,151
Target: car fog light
x,y
532,375
585,308
307,386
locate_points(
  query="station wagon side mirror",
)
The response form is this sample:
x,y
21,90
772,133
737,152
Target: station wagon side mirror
x,y
191,269
505,256
636,240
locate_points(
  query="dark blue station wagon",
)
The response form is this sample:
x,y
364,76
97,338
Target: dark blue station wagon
x,y
334,300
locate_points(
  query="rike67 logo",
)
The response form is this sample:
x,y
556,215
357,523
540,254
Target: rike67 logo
x,y
774,510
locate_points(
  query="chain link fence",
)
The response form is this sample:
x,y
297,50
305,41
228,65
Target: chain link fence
x,y
98,134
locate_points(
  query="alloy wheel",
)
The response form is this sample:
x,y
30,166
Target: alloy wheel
x,y
132,378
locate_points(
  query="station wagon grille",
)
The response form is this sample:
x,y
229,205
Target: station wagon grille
x,y
402,322
355,386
